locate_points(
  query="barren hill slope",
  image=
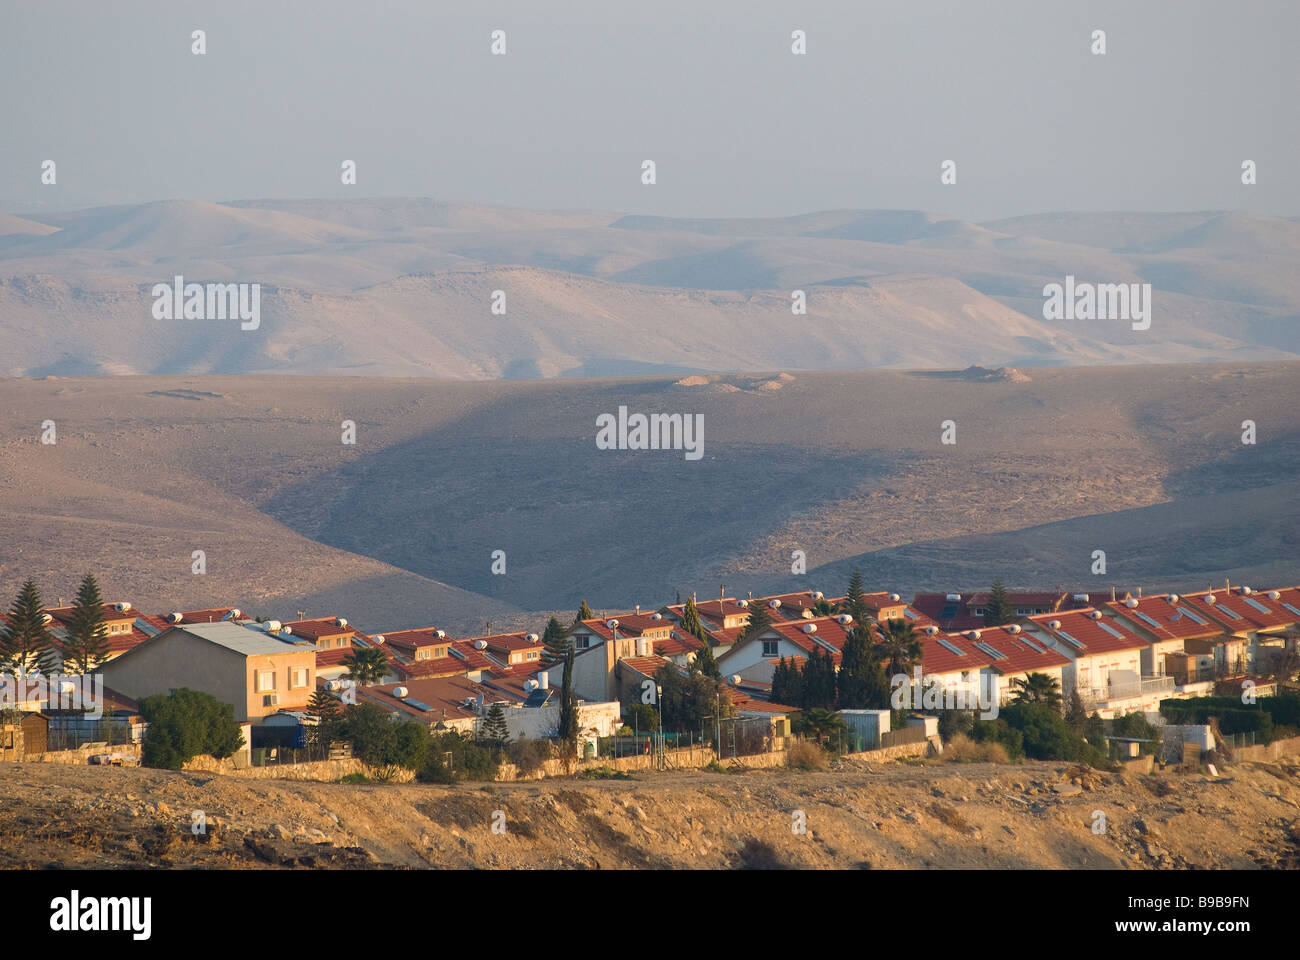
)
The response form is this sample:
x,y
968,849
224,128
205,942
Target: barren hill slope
x,y
981,816
1145,462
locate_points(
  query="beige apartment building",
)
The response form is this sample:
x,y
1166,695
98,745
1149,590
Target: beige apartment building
x,y
256,671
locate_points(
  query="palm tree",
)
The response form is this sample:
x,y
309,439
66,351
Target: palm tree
x,y
366,665
900,648
822,723
1037,688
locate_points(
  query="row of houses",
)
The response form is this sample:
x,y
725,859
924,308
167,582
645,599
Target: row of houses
x,y
1119,654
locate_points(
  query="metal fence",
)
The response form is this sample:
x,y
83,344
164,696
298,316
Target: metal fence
x,y
72,734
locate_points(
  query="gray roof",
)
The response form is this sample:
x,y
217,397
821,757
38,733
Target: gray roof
x,y
248,641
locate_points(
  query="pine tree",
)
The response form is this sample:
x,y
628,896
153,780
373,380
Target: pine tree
x,y
495,730
853,595
556,640
705,662
327,710
86,646
25,643
760,618
584,613
998,609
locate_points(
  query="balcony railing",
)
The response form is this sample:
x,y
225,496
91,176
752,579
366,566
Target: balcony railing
x,y
1130,690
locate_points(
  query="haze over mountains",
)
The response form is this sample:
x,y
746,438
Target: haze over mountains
x,y
402,287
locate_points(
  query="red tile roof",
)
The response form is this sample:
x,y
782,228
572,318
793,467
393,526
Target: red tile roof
x,y
210,615
936,657
317,627
1256,610
1162,618
446,695
333,657
415,638
829,635
793,604
678,643
715,611
1096,635
934,605
646,666
1021,653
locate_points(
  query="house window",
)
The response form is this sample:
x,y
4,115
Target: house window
x,y
583,641
770,647
265,681
979,611
297,677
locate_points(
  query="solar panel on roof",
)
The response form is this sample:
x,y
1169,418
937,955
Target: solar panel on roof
x,y
1228,613
1257,605
948,612
909,613
417,704
1195,618
1030,644
1070,640
1111,630
991,651
1292,609
951,647
1147,619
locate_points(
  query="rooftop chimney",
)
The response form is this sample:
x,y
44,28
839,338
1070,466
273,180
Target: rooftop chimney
x,y
638,609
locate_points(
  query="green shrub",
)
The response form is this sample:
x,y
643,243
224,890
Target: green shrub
x,y
184,724
451,758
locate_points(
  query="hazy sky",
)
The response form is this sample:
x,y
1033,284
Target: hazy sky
x,y
708,89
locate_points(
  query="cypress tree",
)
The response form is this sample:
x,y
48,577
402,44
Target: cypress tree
x,y
584,613
568,726
87,644
857,682
819,681
691,619
25,644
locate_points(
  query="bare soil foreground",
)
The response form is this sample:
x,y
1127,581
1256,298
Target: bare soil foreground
x,y
1034,815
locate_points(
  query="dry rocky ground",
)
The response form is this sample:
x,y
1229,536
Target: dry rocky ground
x,y
898,815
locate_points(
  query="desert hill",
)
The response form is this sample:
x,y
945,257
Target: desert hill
x,y
1145,462
402,287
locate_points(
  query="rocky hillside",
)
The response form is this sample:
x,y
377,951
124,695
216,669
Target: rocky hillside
x,y
939,815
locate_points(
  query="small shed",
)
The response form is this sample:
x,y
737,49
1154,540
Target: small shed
x,y
36,733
